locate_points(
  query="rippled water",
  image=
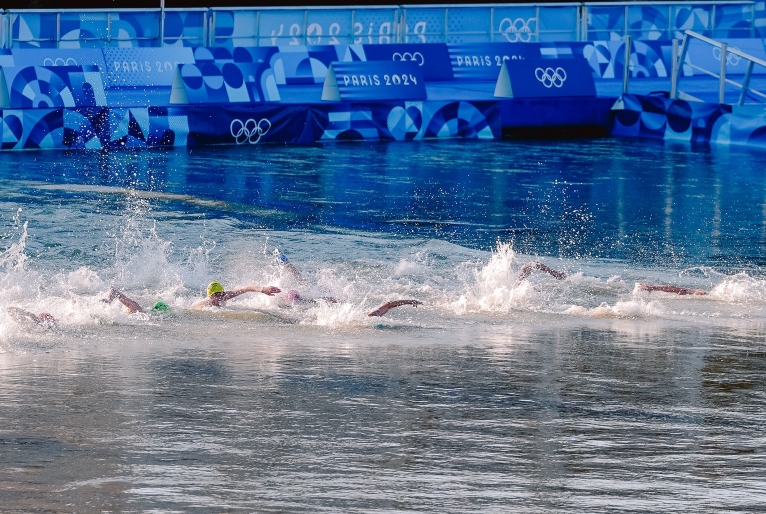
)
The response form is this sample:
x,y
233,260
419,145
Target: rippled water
x,y
585,394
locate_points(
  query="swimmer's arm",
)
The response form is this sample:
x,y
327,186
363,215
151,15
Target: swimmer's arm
x,y
383,309
267,290
529,267
205,302
22,316
670,289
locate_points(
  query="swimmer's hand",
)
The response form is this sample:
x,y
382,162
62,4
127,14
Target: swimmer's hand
x,y
383,309
270,290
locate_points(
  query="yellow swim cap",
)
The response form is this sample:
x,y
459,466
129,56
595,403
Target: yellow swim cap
x,y
214,287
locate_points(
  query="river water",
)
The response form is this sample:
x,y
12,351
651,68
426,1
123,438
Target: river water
x,y
586,394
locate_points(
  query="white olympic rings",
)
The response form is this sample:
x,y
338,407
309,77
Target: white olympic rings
x,y
550,77
249,131
407,56
731,59
518,30
59,61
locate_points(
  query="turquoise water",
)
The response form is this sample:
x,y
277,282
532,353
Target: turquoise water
x,y
584,394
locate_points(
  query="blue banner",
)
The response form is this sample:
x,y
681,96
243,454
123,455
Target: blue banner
x,y
374,80
432,58
144,66
543,78
709,57
482,61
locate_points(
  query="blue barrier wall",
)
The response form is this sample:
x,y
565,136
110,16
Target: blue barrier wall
x,y
520,23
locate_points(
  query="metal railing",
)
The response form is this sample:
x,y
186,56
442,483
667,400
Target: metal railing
x,y
680,60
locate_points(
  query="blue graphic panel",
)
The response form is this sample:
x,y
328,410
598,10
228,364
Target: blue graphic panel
x,y
304,64
468,25
558,23
483,61
281,28
83,30
33,30
59,57
135,29
216,82
542,78
144,66
235,28
375,26
649,21
515,24
184,28
692,17
424,25
433,59
329,27
606,22
54,87
379,80
709,57
733,21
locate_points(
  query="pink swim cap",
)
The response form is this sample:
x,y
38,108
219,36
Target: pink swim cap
x,y
293,295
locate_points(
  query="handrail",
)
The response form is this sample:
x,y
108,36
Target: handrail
x,y
679,62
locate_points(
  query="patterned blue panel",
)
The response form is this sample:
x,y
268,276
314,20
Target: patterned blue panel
x,y
55,86
168,127
658,117
33,30
558,23
6,58
144,66
184,28
376,26
304,64
733,21
281,28
329,27
515,24
647,58
709,57
433,59
424,25
85,129
692,17
413,120
83,30
468,25
649,22
606,23
221,83
135,29
235,28
59,57
32,129
759,15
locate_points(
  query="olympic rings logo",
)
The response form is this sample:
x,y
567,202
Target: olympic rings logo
x,y
407,56
549,77
59,61
731,59
518,30
249,131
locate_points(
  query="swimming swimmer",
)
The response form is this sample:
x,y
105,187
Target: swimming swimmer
x,y
132,305
529,267
670,289
42,320
293,296
216,296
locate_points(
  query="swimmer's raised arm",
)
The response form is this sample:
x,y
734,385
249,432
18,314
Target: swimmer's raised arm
x,y
670,289
529,267
383,309
217,296
130,304
290,267
43,320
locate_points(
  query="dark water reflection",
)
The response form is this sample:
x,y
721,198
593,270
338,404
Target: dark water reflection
x,y
582,419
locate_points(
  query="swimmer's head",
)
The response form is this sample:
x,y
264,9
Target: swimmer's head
x,y
160,307
46,319
293,296
213,288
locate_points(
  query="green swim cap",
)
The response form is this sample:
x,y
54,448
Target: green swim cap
x,y
160,307
214,287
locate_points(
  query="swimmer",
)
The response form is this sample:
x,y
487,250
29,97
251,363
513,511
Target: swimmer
x,y
529,267
285,263
294,297
42,320
216,296
132,305
670,289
